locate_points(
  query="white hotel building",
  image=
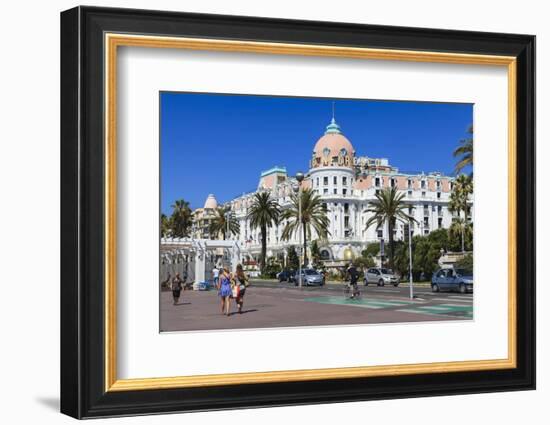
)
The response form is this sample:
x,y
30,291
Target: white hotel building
x,y
347,183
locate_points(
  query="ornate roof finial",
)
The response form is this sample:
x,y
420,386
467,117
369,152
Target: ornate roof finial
x,y
333,128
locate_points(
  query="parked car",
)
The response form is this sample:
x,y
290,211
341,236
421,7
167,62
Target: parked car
x,y
460,280
381,276
286,275
310,277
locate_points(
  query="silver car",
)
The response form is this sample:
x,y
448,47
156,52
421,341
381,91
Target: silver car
x,y
381,276
310,277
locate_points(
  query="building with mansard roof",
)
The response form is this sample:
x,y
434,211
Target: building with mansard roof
x,y
347,182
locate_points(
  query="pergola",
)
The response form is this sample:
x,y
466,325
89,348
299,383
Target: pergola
x,y
197,251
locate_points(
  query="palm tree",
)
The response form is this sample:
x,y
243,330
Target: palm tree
x,y
461,227
165,225
388,207
181,218
314,217
465,151
263,213
224,222
463,187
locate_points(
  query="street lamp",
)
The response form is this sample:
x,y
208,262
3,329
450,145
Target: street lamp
x,y
410,261
227,218
410,230
300,178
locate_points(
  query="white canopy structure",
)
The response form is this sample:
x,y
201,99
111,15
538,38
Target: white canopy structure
x,y
195,257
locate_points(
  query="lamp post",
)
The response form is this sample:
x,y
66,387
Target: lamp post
x,y
227,218
410,262
300,178
409,224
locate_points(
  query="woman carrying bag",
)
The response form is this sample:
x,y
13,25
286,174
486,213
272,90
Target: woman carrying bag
x,y
239,287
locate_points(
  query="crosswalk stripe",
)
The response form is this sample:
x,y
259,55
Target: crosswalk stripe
x,y
453,300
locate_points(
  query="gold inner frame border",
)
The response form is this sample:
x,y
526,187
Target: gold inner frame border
x,y
113,40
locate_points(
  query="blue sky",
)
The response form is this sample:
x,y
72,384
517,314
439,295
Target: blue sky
x,y
214,143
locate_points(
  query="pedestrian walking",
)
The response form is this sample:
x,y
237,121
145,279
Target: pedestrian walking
x,y
216,275
239,287
224,291
176,288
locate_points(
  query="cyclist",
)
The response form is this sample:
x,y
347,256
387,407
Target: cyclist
x,y
353,275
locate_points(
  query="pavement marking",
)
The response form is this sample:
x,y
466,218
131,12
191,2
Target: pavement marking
x,y
446,309
433,307
453,300
364,303
384,290
461,313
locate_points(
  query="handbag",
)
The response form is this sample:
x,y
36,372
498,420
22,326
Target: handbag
x,y
235,291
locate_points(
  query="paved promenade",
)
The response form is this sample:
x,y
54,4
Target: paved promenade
x,y
269,305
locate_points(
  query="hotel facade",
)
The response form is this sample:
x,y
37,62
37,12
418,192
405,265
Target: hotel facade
x,y
347,183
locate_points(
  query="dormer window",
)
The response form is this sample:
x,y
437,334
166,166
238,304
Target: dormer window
x,y
343,152
326,152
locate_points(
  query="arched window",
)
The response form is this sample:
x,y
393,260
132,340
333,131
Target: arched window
x,y
343,152
325,254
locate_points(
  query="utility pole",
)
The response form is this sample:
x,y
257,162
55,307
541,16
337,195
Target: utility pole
x,y
300,178
410,262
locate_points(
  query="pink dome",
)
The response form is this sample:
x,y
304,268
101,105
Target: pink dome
x,y
333,148
334,143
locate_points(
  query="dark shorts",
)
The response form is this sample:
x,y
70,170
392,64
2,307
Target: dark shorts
x,y
176,293
241,294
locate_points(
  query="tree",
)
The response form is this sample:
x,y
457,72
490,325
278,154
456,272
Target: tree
x,y
401,258
263,213
272,267
426,253
465,152
314,217
372,249
387,208
316,259
165,226
292,258
461,235
466,263
225,223
364,261
462,189
181,219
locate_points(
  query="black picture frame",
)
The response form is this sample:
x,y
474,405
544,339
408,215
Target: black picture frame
x,y
83,392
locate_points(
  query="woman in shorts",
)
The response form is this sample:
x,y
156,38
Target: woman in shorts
x,y
241,282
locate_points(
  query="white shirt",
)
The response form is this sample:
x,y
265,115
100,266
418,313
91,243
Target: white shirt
x,y
215,272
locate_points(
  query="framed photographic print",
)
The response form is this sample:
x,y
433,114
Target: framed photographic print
x,y
261,212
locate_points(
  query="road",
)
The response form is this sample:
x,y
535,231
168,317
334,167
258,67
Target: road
x,y
270,304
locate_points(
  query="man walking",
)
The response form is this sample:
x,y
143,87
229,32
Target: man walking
x,y
216,276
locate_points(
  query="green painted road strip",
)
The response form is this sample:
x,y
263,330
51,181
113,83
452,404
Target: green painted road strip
x,y
444,309
457,310
364,303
